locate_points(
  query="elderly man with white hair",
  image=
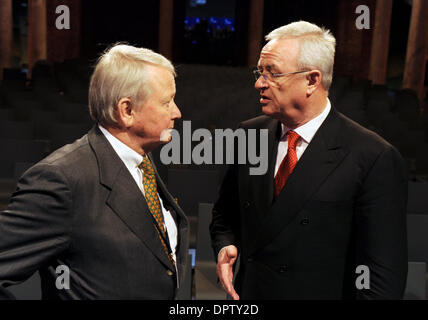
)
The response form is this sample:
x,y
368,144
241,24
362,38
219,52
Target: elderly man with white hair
x,y
328,219
94,217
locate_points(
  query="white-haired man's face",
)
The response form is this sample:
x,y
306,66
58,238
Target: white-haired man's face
x,y
157,113
281,97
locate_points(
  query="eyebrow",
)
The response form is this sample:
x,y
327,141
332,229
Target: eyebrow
x,y
268,67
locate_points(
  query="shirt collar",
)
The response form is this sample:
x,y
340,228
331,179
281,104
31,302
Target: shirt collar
x,y
130,158
308,130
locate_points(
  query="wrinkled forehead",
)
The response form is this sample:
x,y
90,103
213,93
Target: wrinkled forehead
x,y
280,53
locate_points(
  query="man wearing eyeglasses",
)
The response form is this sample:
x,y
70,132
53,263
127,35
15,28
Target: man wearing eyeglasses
x,y
327,221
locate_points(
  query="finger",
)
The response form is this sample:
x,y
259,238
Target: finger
x,y
226,279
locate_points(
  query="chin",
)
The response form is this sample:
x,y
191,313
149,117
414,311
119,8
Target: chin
x,y
165,135
268,111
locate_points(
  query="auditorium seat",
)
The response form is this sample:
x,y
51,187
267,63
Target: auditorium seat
x,y
19,150
43,121
352,99
74,113
417,226
422,160
206,285
377,92
192,187
65,133
377,110
42,70
416,281
11,129
417,235
417,202
20,168
410,142
6,114
337,88
406,98
392,127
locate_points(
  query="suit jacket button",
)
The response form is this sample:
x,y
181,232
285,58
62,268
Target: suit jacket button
x,y
246,205
170,273
282,269
304,221
249,260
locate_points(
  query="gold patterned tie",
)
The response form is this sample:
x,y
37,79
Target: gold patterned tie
x,y
152,199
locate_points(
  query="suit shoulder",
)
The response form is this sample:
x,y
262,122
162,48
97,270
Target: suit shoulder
x,y
69,153
73,160
259,122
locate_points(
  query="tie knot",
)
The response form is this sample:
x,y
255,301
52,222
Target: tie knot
x,y
147,167
292,138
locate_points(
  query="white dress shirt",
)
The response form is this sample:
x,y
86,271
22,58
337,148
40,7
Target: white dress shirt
x,y
306,133
132,159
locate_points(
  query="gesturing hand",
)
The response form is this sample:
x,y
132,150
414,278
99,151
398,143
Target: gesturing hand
x,y
226,259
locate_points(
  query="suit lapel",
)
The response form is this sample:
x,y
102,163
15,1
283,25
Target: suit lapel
x,y
125,198
319,160
262,197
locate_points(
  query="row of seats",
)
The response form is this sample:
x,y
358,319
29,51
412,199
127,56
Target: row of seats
x,y
393,114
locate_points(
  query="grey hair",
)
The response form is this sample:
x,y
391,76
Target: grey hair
x,y
121,73
317,47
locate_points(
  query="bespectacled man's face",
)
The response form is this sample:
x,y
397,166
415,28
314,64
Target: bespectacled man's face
x,y
281,97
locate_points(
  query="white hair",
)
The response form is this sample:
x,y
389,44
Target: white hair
x,y
317,47
121,73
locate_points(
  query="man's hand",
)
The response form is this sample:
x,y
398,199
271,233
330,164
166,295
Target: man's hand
x,y
226,259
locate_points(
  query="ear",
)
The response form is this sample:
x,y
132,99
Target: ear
x,y
125,112
313,78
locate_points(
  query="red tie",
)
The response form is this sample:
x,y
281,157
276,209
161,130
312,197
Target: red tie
x,y
287,164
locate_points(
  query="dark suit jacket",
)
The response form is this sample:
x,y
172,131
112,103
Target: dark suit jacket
x,y
344,205
80,207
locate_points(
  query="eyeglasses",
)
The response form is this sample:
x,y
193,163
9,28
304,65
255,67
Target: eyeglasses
x,y
271,76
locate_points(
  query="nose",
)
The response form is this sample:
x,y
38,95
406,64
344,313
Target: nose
x,y
261,83
176,113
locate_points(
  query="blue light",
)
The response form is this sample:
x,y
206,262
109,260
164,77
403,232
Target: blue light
x,y
215,23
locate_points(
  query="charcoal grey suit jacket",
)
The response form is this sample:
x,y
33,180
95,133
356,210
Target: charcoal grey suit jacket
x,y
81,208
343,206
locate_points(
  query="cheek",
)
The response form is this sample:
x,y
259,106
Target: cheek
x,y
280,97
163,119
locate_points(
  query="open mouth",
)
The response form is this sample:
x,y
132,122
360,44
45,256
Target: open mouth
x,y
264,99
